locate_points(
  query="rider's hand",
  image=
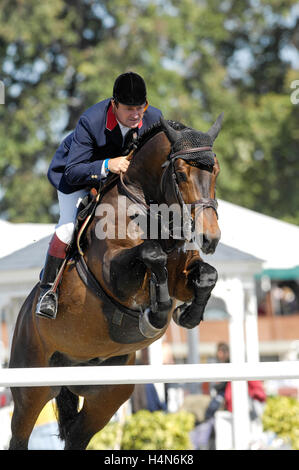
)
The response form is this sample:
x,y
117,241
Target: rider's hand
x,y
118,164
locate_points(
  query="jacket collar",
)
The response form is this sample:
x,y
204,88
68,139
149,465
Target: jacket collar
x,y
111,121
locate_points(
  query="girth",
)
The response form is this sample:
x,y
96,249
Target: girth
x,y
124,324
92,283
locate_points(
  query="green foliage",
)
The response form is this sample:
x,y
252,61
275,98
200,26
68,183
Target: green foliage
x,y
281,416
147,431
198,59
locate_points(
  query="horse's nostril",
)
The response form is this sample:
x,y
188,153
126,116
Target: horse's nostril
x,y
208,244
205,240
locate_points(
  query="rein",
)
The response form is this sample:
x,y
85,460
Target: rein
x,y
131,195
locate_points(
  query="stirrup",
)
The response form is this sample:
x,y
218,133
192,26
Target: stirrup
x,y
47,314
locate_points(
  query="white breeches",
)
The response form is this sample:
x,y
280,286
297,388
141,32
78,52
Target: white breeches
x,y
68,206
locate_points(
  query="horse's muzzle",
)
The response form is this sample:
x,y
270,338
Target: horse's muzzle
x,y
208,242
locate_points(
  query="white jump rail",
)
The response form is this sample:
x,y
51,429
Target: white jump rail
x,y
177,373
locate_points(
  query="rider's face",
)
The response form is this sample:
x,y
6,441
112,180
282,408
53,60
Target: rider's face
x,y
129,116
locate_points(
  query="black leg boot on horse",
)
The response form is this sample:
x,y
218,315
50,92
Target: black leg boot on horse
x,y
127,272
155,318
48,298
202,278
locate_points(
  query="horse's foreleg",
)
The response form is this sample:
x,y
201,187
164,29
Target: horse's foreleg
x,y
127,272
155,259
201,279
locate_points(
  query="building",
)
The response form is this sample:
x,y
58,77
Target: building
x,y
15,237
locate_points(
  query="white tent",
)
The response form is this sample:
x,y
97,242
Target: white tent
x,y
16,236
262,236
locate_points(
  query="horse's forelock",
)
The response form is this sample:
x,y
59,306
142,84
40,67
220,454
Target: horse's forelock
x,y
187,138
190,138
148,134
155,129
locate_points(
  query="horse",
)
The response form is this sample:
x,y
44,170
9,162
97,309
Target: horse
x,y
120,291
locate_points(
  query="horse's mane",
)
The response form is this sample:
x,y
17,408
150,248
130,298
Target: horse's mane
x,y
155,129
187,137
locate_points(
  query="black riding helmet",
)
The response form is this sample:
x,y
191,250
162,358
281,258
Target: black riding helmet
x,y
129,88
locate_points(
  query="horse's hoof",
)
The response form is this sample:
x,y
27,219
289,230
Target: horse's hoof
x,y
178,313
188,315
145,326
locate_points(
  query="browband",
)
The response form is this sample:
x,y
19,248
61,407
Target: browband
x,y
193,150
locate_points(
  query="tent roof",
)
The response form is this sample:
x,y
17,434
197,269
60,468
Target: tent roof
x,y
282,274
33,256
247,233
16,236
262,236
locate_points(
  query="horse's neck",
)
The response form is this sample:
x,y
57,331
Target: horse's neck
x,y
145,169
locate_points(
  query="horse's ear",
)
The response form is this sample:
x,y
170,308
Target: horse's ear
x,y
216,127
171,133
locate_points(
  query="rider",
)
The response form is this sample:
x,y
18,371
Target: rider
x,y
84,158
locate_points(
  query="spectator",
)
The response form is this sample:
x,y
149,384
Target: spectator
x,y
145,396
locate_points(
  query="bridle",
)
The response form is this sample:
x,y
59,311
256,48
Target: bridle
x,y
199,204
169,165
170,172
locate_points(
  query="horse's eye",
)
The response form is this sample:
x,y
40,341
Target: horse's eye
x,y
181,176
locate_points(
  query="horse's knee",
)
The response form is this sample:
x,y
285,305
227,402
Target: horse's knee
x,y
202,277
153,256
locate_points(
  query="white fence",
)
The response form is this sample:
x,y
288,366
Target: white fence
x,y
238,373
178,373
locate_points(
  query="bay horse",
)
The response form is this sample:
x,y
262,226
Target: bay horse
x,y
121,294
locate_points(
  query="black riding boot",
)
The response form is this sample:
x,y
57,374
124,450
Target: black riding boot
x,y
48,299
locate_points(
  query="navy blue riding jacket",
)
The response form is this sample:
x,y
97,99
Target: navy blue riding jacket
x,y
78,160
